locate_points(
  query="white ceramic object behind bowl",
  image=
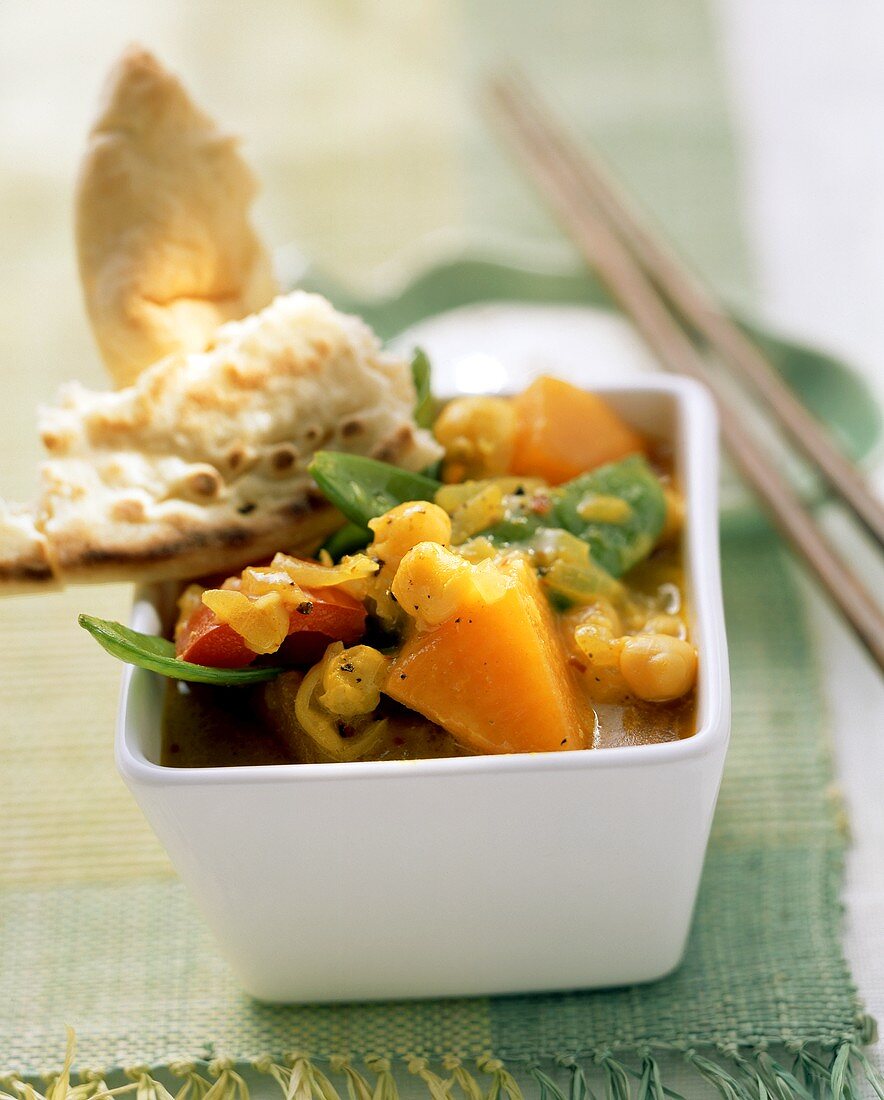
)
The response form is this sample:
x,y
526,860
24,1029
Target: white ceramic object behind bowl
x,y
460,876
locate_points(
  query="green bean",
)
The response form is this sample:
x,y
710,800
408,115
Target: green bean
x,y
363,488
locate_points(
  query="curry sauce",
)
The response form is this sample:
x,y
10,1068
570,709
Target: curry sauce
x,y
533,600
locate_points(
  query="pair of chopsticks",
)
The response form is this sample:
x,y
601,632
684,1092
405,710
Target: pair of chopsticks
x,y
681,322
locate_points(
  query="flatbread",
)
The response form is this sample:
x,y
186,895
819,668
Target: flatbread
x,y
201,464
165,247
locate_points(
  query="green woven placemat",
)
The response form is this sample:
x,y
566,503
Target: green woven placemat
x,y
764,990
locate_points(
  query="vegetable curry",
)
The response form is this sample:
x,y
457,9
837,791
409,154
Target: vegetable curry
x,y
526,596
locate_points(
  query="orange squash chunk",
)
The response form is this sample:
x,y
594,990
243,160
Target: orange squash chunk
x,y
494,675
563,431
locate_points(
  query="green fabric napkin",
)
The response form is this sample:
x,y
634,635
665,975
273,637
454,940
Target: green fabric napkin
x,y
764,990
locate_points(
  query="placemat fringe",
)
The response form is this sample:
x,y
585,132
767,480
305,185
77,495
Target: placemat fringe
x,y
650,1083
462,1078
357,1086
228,1084
580,1089
386,1087
781,1083
726,1083
195,1086
503,1084
436,1086
736,1074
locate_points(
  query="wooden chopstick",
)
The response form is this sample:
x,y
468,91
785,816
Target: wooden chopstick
x,y
562,184
699,308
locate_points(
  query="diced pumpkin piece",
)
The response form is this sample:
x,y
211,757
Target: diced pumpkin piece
x,y
494,676
563,431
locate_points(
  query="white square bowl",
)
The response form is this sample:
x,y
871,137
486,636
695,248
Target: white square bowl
x,y
467,876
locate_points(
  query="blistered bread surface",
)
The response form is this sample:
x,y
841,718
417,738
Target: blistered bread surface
x,y
203,460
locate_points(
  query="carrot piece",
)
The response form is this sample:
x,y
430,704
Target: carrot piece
x,y
494,676
204,640
336,616
563,431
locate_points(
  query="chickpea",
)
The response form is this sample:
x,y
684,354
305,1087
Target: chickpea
x,y
352,679
478,434
603,617
665,624
434,584
396,531
658,667
601,650
598,635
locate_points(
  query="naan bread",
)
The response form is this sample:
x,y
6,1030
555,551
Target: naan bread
x,y
200,465
165,247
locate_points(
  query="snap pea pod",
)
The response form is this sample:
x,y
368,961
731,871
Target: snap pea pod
x,y
346,540
516,529
363,488
354,536
158,655
616,545
620,544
